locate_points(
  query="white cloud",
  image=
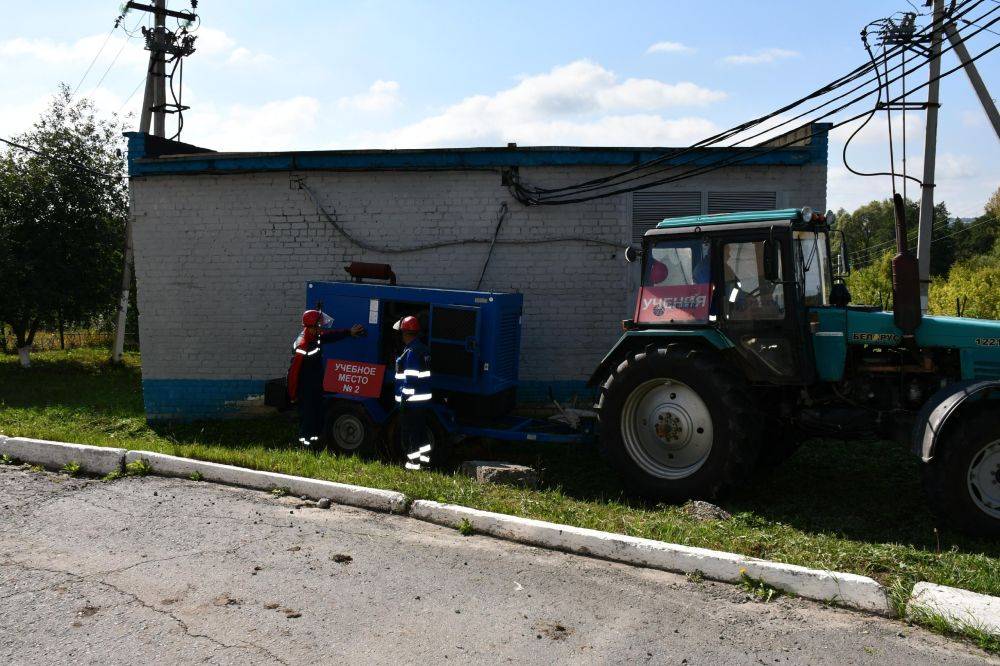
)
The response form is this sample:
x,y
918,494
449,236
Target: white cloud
x,y
217,45
286,124
876,131
760,57
380,96
212,44
244,56
950,166
669,47
581,102
80,52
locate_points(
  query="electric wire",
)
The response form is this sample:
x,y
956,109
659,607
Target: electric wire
x,y
520,193
853,75
976,223
532,196
333,220
60,160
93,60
117,55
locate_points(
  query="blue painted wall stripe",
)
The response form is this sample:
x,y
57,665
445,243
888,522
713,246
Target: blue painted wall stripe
x,y
191,399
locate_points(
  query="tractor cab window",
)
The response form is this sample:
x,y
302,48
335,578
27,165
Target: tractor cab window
x,y
676,283
748,295
812,267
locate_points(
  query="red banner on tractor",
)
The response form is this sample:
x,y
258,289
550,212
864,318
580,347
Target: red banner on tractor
x,y
353,378
676,303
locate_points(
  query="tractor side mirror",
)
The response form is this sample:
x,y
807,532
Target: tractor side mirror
x,y
772,259
632,254
844,255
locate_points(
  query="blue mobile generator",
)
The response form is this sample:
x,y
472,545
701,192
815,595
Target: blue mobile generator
x,y
474,339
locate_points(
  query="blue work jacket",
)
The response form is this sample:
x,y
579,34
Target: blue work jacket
x,y
413,375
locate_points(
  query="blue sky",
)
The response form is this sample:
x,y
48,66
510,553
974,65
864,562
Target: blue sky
x,y
309,75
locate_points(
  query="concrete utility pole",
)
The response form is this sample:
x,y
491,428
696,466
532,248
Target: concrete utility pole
x,y
977,81
926,223
153,104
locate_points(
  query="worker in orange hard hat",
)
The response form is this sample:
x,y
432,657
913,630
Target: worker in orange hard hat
x,y
413,394
305,374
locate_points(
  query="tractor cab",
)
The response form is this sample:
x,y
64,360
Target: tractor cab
x,y
751,276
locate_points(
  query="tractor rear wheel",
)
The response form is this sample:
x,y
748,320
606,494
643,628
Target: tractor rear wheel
x,y
677,423
963,478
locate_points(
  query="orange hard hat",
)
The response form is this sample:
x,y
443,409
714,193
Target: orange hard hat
x,y
311,317
408,325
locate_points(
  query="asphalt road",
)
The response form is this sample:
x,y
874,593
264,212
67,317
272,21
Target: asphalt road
x,y
170,571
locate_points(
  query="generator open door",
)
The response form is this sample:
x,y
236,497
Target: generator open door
x,y
454,331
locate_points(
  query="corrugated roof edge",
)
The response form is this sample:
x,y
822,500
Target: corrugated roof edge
x,y
151,156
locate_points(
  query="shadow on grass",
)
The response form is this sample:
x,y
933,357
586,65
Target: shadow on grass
x,y
865,491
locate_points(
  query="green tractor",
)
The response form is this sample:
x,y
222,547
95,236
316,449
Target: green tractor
x,y
744,342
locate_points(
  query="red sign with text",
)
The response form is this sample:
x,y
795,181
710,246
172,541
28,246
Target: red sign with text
x,y
353,378
663,304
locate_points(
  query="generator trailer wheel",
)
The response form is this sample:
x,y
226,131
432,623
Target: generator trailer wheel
x,y
678,423
963,478
350,430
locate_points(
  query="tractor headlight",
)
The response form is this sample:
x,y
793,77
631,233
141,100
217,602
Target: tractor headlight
x,y
806,213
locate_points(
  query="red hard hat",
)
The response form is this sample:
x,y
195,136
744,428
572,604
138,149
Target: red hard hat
x,y
311,317
408,324
657,272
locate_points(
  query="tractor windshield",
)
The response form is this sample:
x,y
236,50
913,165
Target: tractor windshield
x,y
676,283
812,263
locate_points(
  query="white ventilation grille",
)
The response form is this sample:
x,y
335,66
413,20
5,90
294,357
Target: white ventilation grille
x,y
651,208
735,202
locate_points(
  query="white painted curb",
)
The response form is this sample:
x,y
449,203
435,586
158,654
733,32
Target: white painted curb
x,y
962,608
341,493
843,588
54,455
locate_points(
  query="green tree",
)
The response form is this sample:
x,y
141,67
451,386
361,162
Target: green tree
x,y
871,231
61,220
872,284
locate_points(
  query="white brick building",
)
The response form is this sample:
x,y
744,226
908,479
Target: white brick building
x,y
226,242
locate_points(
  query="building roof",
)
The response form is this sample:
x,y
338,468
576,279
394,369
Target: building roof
x,y
150,156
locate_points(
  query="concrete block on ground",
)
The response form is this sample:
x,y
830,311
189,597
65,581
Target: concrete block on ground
x,y
54,455
341,493
493,471
843,588
962,608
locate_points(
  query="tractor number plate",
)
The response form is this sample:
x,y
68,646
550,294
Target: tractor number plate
x,y
353,378
988,342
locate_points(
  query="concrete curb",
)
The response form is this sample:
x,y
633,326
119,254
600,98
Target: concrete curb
x,y
961,608
845,589
367,498
54,455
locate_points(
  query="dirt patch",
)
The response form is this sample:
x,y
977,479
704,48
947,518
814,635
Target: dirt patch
x,y
554,630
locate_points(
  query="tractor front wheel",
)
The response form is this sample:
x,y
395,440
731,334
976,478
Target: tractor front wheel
x,y
678,423
963,478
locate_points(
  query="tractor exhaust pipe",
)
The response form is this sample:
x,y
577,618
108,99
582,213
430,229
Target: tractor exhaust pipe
x,y
905,277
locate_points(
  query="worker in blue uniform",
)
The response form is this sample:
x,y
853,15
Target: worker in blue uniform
x,y
305,374
413,394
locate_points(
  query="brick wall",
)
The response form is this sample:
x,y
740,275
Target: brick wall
x,y
222,262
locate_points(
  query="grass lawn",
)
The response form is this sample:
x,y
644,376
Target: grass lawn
x,y
848,506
